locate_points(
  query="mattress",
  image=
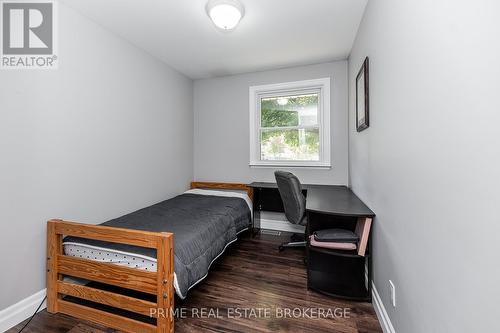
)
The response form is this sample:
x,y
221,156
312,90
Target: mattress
x,y
217,222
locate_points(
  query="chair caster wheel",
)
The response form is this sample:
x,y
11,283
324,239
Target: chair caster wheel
x,y
281,248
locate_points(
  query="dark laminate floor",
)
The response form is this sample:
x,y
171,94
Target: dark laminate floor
x,y
251,274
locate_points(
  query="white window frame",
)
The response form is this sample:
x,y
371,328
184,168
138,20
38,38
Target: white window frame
x,y
322,87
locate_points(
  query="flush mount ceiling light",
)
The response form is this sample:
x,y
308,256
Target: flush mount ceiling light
x,y
226,14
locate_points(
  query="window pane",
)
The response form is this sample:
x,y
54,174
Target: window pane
x,y
293,110
289,145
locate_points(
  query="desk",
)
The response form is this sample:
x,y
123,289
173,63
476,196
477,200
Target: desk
x,y
333,272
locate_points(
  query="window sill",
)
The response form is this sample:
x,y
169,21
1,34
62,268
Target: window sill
x,y
290,165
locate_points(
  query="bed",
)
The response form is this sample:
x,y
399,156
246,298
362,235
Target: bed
x,y
137,252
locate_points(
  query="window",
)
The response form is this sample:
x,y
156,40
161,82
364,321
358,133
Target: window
x,y
290,124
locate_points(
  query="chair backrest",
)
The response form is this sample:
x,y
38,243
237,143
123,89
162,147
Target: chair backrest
x,y
290,190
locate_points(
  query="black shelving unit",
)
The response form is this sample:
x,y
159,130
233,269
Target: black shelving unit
x,y
338,273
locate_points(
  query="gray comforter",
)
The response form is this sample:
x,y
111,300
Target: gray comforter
x,y
203,225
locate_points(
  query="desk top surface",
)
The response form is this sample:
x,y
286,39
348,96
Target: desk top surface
x,y
329,199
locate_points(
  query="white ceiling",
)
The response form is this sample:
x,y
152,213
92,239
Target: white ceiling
x,y
272,34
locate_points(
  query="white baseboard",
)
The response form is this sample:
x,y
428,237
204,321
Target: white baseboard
x,y
382,315
21,311
281,226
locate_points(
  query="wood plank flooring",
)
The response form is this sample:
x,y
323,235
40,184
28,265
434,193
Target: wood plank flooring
x,y
252,274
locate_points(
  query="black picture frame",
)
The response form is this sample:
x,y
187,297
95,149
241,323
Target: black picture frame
x,y
362,98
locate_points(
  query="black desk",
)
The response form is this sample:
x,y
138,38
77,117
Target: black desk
x,y
333,272
326,199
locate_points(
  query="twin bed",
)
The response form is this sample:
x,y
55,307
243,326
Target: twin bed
x,y
137,252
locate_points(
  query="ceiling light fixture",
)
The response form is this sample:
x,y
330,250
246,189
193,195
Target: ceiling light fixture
x,y
226,14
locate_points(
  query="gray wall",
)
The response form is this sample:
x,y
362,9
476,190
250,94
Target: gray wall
x,y
221,126
429,163
109,132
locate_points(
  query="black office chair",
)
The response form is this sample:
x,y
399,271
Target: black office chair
x,y
294,203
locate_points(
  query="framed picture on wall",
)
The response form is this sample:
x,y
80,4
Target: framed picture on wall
x,y
362,98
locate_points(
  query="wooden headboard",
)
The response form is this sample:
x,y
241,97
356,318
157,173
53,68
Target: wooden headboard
x,y
224,186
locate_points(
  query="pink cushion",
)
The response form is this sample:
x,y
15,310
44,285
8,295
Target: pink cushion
x,y
332,245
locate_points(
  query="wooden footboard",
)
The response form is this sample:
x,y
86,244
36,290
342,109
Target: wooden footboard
x,y
159,283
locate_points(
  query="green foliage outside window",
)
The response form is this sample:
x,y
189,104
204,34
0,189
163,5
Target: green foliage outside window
x,y
275,115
